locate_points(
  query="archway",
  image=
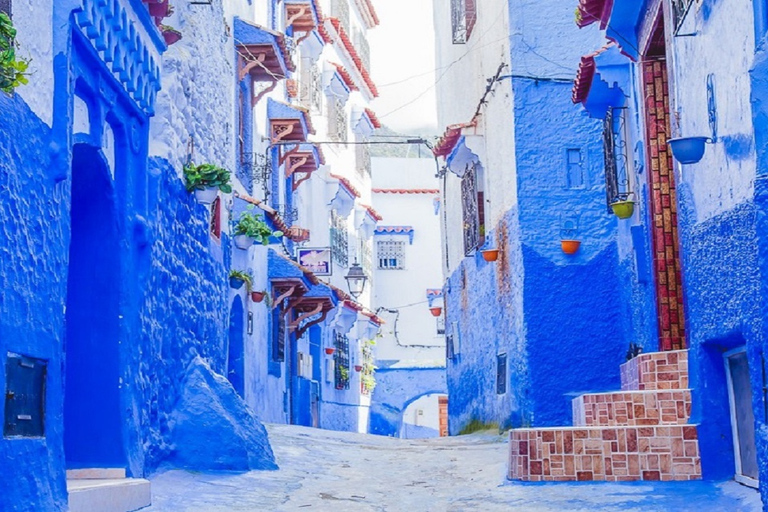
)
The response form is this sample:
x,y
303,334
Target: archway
x,y
421,417
93,426
236,355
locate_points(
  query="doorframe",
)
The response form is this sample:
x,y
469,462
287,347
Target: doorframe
x,y
738,476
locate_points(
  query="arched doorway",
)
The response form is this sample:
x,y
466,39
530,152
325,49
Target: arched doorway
x,y
93,426
236,352
422,417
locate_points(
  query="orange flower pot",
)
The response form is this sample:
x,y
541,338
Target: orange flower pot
x,y
436,311
570,246
490,254
329,350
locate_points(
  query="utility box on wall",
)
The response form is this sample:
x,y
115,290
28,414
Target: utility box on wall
x,y
24,396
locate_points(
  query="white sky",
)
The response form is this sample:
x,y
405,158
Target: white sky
x,y
402,47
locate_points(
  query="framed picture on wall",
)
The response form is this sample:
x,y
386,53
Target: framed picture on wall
x,y
317,260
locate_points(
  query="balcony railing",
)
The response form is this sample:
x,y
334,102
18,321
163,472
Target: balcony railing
x,y
616,156
341,360
339,239
470,214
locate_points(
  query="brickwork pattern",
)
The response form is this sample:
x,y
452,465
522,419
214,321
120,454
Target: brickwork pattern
x,y
661,181
605,453
656,370
635,408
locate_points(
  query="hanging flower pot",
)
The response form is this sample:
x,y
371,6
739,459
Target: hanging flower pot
x,y
330,350
623,209
170,35
206,195
236,283
358,368
436,311
159,10
237,279
570,246
244,241
257,296
688,150
490,254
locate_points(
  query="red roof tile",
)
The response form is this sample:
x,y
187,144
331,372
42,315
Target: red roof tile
x,y
374,213
344,74
591,11
449,139
347,42
373,117
346,184
405,191
585,74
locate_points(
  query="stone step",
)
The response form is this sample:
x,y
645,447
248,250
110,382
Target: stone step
x,y
656,370
108,495
621,453
95,473
632,408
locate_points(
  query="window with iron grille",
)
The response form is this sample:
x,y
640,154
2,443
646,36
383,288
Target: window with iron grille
x,y
362,47
341,360
337,119
310,89
366,255
340,10
391,254
363,158
501,374
449,348
470,212
616,154
679,11
278,335
367,372
463,18
215,227
339,239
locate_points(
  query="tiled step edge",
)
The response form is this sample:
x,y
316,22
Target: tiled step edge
x,y
632,408
656,370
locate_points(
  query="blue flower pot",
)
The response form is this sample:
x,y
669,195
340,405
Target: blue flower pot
x,y
236,283
688,150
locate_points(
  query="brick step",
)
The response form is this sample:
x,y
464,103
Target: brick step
x,y
621,453
108,494
632,408
656,370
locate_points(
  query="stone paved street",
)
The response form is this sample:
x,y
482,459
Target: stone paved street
x,y
334,471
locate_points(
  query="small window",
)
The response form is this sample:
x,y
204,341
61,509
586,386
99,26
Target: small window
x,y
278,336
463,18
391,255
216,219
574,168
341,360
501,374
440,325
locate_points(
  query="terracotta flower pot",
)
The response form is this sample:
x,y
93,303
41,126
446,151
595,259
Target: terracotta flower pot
x,y
329,350
257,296
570,246
436,311
490,254
358,368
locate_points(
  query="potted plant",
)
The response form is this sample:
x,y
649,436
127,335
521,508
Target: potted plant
x,y
206,180
258,296
623,207
238,278
343,377
436,311
330,350
12,71
490,254
570,246
568,242
252,229
358,368
170,34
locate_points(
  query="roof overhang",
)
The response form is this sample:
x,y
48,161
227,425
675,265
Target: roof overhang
x,y
288,122
602,81
262,53
301,15
396,230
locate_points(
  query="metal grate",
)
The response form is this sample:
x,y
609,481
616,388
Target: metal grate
x,y
339,239
341,360
501,374
366,256
340,10
256,168
337,120
463,18
471,216
615,152
391,254
679,11
310,89
363,48
278,336
363,158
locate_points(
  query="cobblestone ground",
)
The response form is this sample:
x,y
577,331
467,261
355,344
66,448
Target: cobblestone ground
x,y
333,471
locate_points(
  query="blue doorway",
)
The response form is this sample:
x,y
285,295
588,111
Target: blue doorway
x,y
93,426
236,353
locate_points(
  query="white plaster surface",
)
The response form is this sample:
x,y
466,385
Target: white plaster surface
x,y
35,39
335,471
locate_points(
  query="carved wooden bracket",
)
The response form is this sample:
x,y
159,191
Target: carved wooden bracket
x,y
305,176
294,163
247,65
284,296
295,13
289,153
255,99
281,129
306,326
293,325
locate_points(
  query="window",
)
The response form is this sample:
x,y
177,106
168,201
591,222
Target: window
x,y
574,168
440,325
366,376
341,360
363,158
278,335
339,239
391,254
310,89
337,120
617,166
679,11
450,352
501,374
472,202
463,18
366,255
215,226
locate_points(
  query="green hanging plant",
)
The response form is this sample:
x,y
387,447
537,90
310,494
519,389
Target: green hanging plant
x,y
201,177
13,71
253,226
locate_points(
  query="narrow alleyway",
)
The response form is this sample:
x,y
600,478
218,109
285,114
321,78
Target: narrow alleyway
x,y
334,471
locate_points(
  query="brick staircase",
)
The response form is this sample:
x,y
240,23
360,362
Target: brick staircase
x,y
638,433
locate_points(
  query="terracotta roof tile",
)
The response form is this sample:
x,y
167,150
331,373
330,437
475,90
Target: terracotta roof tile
x,y
346,184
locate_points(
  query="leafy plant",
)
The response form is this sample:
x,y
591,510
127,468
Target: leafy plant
x,y
633,351
12,70
253,226
243,276
200,177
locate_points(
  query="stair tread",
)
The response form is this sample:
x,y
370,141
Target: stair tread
x,y
91,483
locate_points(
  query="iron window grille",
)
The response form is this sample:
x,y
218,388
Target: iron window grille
x,y
278,336
337,120
470,211
341,360
339,239
256,168
363,48
366,255
615,152
501,374
679,10
367,370
363,158
340,10
463,18
310,89
391,254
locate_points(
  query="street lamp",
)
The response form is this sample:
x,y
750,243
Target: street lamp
x,y
356,280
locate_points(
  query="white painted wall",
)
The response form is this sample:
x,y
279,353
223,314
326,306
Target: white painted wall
x,y
405,290
424,412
